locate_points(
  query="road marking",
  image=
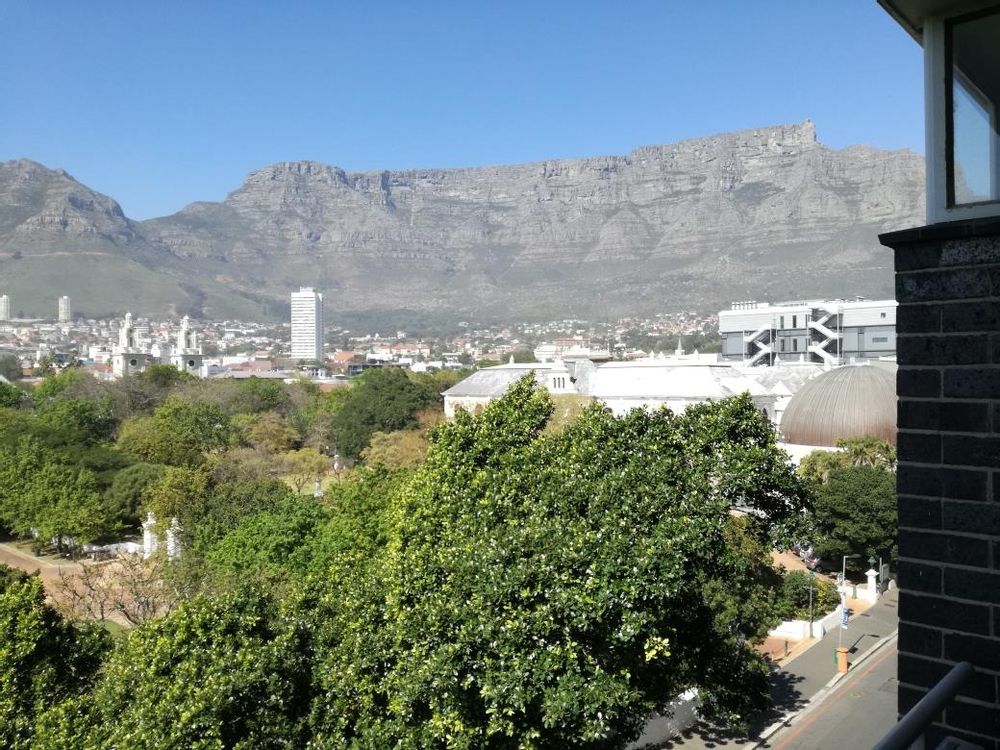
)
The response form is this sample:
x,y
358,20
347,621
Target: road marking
x,y
798,729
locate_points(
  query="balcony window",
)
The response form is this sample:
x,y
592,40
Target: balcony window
x,y
973,94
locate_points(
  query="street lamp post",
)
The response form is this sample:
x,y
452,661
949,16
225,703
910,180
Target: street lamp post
x,y
843,599
843,569
812,575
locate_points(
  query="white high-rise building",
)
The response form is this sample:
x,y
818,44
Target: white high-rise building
x,y
307,324
65,309
4,307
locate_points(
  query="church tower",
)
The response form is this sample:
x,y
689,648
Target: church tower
x,y
187,356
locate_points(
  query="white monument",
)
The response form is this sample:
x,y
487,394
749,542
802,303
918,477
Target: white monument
x,y
150,542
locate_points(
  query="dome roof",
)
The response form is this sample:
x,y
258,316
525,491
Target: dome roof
x,y
849,401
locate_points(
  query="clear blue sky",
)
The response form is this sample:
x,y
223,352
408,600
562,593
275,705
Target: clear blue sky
x,y
159,104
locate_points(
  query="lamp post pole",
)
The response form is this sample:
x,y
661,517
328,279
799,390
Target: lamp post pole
x,y
812,575
843,598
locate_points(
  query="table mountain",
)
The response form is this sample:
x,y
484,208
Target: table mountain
x,y
764,214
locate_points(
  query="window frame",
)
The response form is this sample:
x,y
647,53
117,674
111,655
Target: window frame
x,y
949,120
938,122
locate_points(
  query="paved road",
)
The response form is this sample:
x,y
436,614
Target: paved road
x,y
795,683
859,712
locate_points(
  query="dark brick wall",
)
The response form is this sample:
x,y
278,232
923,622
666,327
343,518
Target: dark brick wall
x,y
948,329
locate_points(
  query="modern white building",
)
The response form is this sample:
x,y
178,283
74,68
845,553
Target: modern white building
x,y
307,324
4,307
65,309
831,332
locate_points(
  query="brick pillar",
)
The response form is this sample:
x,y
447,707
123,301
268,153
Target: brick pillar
x,y
948,345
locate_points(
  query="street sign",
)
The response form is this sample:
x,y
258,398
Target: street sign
x,y
843,621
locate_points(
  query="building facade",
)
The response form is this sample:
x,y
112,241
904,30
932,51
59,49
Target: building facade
x,y
948,287
307,325
830,332
4,307
65,309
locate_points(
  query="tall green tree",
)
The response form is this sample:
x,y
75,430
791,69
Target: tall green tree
x,y
229,672
43,659
54,500
270,546
855,514
68,507
384,399
178,433
552,590
11,397
125,496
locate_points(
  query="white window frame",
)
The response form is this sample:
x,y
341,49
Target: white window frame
x,y
936,114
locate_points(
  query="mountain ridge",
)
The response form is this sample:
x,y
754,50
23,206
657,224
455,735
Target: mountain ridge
x,y
754,213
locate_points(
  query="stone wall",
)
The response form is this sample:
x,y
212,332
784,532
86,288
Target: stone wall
x,y
948,325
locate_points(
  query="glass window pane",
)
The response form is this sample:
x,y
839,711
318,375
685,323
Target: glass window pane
x,y
975,94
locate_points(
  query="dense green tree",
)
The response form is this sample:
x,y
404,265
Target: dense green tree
x,y
9,576
67,507
817,465
125,495
212,511
43,659
55,500
11,397
178,433
77,421
869,451
256,395
177,492
20,461
383,400
552,590
794,600
228,672
277,544
70,382
163,377
268,431
855,514
856,451
312,418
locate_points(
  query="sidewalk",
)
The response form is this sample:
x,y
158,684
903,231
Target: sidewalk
x,y
796,681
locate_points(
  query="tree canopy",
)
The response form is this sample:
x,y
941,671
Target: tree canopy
x,y
383,400
503,614
522,586
855,513
44,660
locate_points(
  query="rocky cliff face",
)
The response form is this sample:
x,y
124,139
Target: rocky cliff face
x,y
766,213
40,206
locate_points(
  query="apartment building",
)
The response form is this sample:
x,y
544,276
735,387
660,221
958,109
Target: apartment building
x,y
825,331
